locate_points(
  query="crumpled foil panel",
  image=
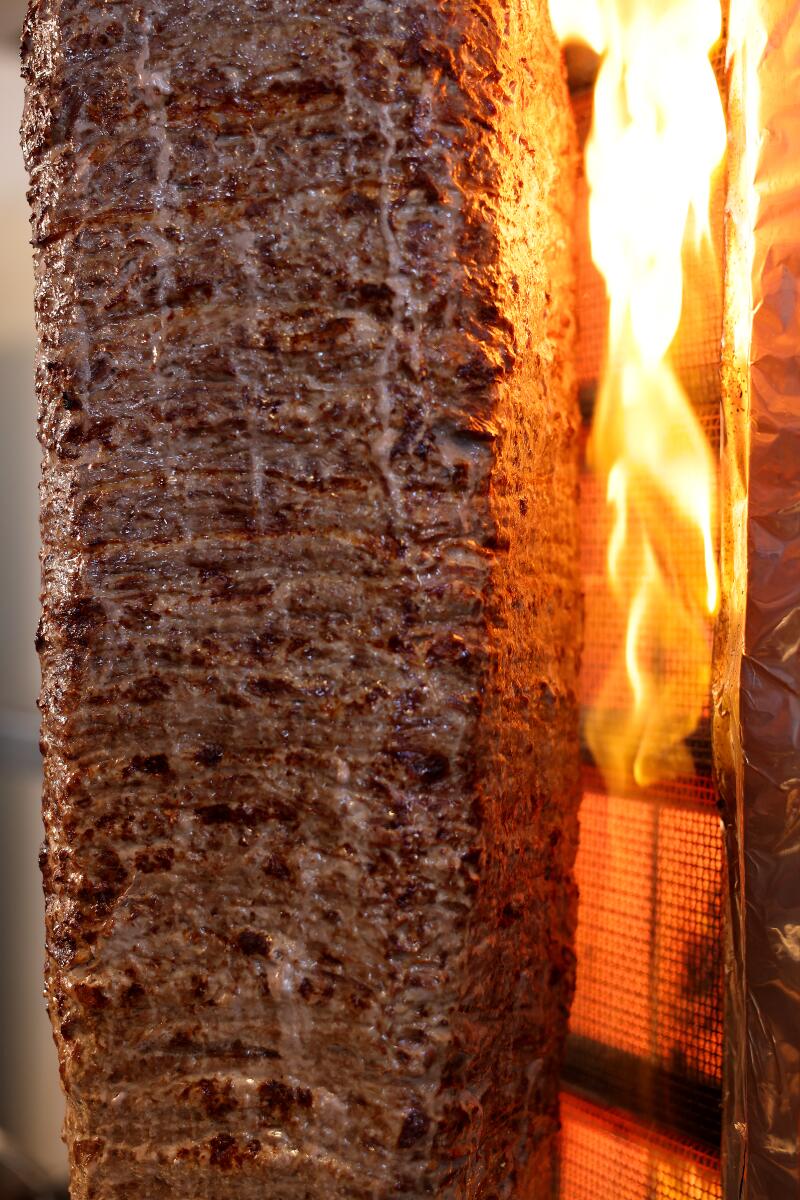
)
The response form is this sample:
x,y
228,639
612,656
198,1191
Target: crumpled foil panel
x,y
757,688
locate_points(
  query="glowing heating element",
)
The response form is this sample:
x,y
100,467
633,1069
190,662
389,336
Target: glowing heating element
x,y
646,1031
646,1028
658,135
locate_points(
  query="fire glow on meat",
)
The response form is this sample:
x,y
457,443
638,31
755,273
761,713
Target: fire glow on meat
x,y
657,138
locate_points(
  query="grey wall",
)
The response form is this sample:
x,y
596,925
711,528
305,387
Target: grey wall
x,y
30,1102
11,14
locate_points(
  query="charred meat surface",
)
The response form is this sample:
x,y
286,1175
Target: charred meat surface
x,y
311,606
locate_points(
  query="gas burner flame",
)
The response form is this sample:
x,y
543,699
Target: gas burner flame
x,y
658,135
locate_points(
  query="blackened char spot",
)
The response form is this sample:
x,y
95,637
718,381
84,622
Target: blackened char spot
x,y
247,815
152,764
478,373
158,858
91,997
277,1099
208,756
215,1096
146,691
133,994
223,1151
252,943
422,49
428,767
103,879
376,298
510,915
304,92
276,867
223,814
415,1126
78,621
265,685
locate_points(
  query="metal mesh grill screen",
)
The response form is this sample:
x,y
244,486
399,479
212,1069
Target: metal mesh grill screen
x,y
641,1108
608,1154
649,982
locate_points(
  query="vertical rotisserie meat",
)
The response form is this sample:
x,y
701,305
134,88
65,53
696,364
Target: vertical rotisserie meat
x,y
311,606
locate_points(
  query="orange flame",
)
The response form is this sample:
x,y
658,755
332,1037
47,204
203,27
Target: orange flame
x,y
658,135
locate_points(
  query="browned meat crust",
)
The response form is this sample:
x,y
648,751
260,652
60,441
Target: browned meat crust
x,y
311,606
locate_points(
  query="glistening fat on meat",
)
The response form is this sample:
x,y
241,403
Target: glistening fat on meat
x,y
311,607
